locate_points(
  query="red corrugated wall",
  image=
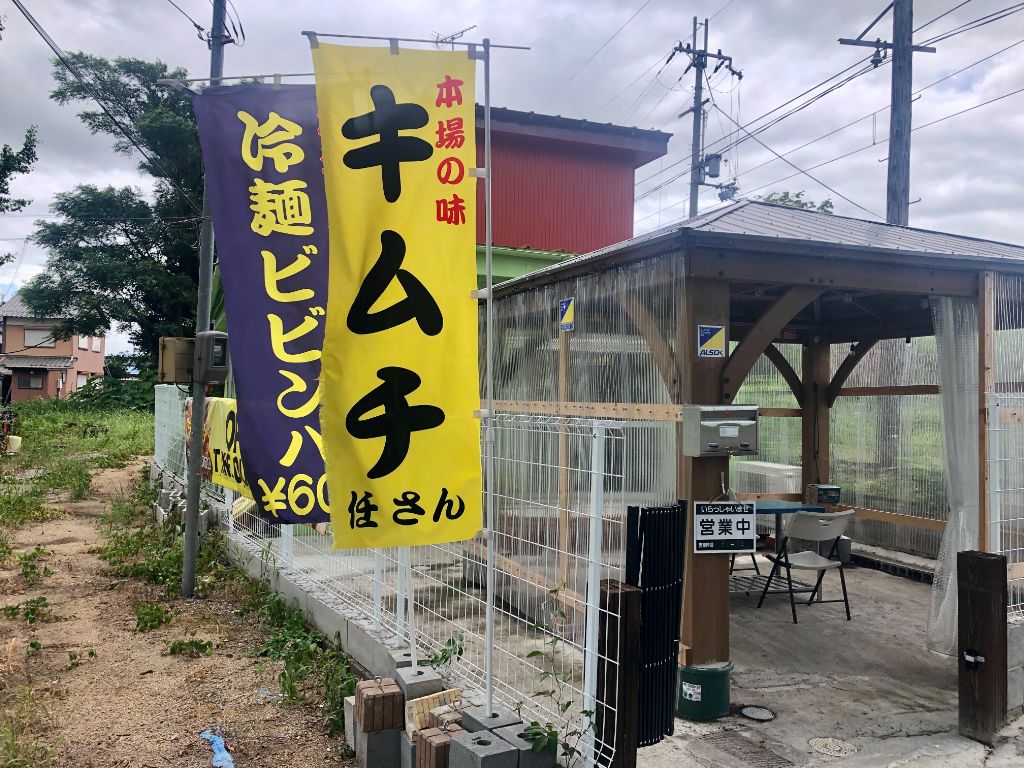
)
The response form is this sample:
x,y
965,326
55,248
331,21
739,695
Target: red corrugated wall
x,y
557,196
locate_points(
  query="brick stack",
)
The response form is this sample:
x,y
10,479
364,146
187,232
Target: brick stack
x,y
433,746
379,722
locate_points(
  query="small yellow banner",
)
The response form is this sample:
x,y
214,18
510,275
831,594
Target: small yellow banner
x,y
222,453
400,377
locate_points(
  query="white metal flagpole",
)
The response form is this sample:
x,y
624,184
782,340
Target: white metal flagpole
x,y
489,434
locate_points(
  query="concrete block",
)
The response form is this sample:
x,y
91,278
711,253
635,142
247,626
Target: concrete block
x,y
400,657
419,683
482,750
408,751
513,734
475,719
380,749
369,652
1015,644
1014,689
350,721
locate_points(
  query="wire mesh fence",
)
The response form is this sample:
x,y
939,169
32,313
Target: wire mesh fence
x,y
169,453
1006,490
561,493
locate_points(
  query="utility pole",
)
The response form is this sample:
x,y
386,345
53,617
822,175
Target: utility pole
x,y
699,63
897,198
217,40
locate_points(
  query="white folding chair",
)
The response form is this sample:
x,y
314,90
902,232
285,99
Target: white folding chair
x,y
809,526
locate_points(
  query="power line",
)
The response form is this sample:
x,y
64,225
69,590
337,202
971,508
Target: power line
x,y
595,53
801,170
766,114
712,17
199,27
943,15
634,82
852,152
70,66
982,21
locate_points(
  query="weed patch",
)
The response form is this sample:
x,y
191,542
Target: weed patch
x,y
151,616
29,562
191,647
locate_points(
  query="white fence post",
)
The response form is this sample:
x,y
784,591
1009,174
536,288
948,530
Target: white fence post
x,y
590,658
286,544
378,589
401,577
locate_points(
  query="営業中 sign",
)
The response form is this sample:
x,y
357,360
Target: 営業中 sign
x,y
400,379
711,341
724,526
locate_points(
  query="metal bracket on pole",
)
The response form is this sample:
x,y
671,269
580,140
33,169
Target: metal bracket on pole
x,y
314,42
393,44
480,293
480,173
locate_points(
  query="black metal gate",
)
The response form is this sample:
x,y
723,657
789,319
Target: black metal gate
x,y
655,552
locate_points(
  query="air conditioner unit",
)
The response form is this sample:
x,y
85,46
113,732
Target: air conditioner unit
x,y
764,477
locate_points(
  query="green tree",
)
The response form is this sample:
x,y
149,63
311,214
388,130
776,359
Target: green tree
x,y
796,200
15,163
118,256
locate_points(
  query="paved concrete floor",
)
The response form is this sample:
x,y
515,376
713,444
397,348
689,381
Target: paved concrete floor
x,y
870,683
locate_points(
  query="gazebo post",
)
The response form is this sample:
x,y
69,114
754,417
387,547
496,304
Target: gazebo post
x,y
814,451
705,630
986,384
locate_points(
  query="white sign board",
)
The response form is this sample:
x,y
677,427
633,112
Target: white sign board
x,y
724,527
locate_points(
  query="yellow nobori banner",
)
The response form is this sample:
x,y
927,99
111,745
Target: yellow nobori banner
x,y
400,375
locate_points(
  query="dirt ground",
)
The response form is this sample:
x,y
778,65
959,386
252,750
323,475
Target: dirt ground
x,y
132,704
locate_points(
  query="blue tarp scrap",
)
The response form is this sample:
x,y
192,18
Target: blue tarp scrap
x,y
221,757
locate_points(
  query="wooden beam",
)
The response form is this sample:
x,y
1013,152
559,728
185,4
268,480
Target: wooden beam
x,y
705,629
565,596
831,274
638,411
762,335
846,368
986,384
814,443
563,461
782,365
661,350
770,496
898,391
780,412
896,518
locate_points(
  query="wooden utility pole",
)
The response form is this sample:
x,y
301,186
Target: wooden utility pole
x,y
897,199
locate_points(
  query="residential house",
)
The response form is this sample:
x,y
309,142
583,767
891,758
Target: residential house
x,y
33,364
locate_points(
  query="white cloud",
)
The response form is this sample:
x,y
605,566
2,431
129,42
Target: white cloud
x,y
968,171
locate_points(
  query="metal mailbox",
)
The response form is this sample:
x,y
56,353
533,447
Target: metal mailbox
x,y
719,430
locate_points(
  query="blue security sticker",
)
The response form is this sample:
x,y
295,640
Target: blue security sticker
x,y
711,341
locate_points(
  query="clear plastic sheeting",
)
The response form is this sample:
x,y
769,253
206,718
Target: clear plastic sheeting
x,y
956,335
776,467
605,358
886,451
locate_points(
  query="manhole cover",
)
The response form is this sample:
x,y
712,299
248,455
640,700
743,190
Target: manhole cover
x,y
761,714
832,747
752,754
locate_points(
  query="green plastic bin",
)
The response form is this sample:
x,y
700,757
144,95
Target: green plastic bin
x,y
704,691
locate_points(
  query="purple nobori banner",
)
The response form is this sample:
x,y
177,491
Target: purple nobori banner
x,y
264,176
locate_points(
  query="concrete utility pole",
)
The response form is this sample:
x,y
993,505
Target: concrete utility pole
x,y
699,63
897,199
218,39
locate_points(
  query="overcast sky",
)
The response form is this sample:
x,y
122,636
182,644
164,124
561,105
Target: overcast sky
x,y
968,171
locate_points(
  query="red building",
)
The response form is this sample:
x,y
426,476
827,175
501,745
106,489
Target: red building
x,y
561,184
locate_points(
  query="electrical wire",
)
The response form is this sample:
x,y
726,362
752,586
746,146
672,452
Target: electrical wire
x,y
943,15
70,66
595,53
805,173
634,82
713,15
976,23
199,27
845,155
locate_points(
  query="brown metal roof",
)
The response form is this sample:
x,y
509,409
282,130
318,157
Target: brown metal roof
x,y
753,225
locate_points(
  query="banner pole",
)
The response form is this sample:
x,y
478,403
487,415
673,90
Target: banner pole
x,y
489,442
